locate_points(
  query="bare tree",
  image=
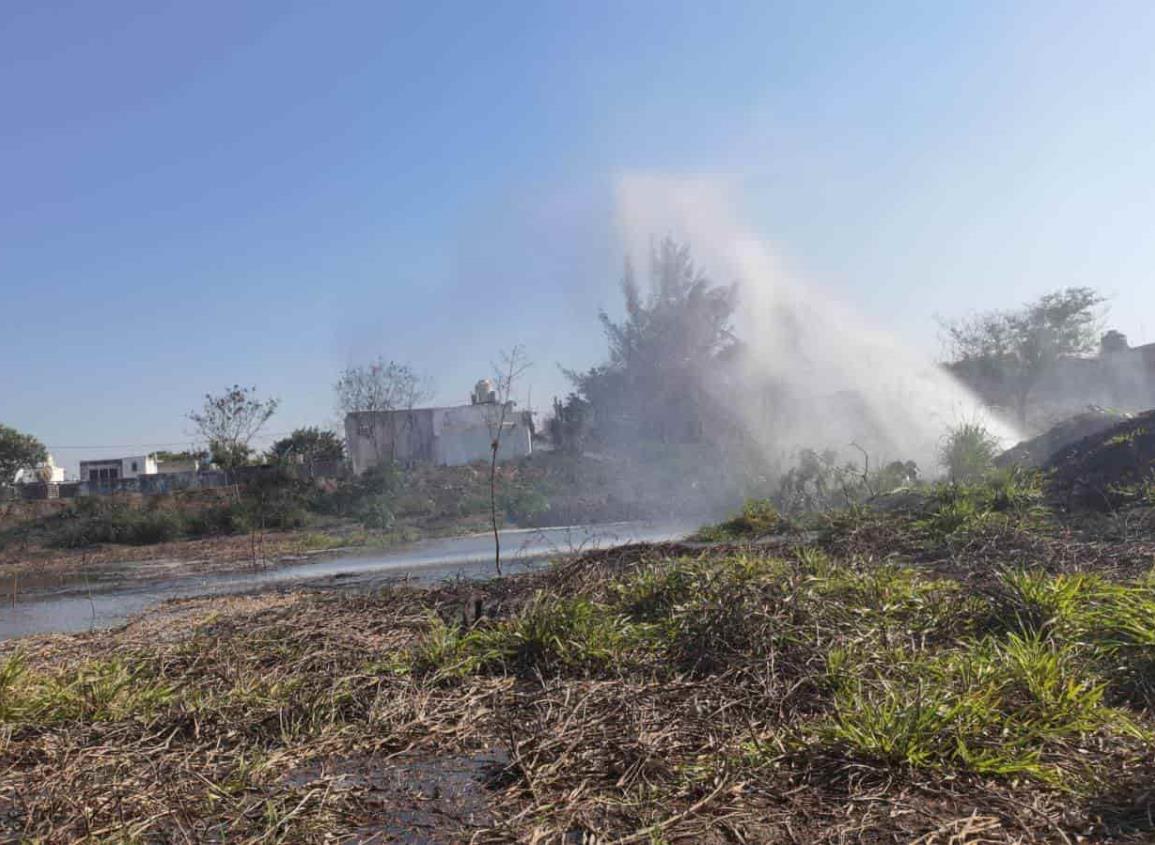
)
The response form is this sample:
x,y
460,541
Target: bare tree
x,y
512,366
381,386
228,422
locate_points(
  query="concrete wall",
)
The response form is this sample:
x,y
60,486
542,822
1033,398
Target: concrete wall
x,y
445,436
463,435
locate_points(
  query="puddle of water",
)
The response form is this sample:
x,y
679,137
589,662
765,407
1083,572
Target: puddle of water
x,y
103,599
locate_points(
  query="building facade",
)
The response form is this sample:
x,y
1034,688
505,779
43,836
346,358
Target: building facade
x,y
451,436
47,473
110,470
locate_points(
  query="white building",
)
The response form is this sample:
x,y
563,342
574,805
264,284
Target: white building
x,y
109,470
452,436
47,473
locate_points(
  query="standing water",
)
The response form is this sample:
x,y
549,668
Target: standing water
x,y
103,597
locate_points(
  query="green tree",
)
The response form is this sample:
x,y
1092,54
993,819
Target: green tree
x,y
310,444
1010,351
662,355
18,451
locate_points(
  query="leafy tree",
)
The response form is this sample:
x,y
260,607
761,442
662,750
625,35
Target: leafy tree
x,y
229,421
1014,349
18,451
569,426
661,355
311,444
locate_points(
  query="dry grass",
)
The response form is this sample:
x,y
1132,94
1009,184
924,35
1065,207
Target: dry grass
x,y
973,690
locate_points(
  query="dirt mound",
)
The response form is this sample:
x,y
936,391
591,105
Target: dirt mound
x,y
1108,467
1037,451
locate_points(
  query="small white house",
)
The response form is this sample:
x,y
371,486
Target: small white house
x,y
108,470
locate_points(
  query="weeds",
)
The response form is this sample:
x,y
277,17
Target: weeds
x,y
1002,499
968,453
95,691
548,635
649,692
1013,706
758,518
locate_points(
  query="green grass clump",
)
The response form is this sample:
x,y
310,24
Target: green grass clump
x,y
1004,498
1114,623
994,706
95,691
968,453
758,518
548,635
888,604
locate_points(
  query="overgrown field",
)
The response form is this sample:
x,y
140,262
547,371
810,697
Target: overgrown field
x,y
973,668
378,508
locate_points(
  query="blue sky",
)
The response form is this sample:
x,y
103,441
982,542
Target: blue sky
x,y
196,194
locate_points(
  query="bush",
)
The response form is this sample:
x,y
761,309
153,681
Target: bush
x,y
158,526
522,502
968,453
92,521
361,494
376,513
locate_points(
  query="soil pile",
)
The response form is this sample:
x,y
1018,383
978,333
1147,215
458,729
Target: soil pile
x,y
1037,451
1109,467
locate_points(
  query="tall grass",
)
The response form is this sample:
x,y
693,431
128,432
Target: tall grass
x,y
968,452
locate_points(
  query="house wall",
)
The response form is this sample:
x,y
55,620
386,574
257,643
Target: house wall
x,y
463,435
131,467
376,437
445,436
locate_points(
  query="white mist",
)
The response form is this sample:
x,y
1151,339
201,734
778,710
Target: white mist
x,y
836,380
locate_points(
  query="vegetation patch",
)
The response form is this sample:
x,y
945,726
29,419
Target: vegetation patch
x,y
675,692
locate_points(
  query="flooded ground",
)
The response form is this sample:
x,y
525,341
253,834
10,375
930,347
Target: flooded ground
x,y
105,596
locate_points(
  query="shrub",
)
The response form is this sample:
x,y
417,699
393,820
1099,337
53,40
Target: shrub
x,y
92,521
376,485
375,512
156,526
522,502
968,453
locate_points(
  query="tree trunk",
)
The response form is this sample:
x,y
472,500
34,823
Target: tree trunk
x,y
493,505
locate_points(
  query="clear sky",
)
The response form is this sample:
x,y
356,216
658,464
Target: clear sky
x,y
197,194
